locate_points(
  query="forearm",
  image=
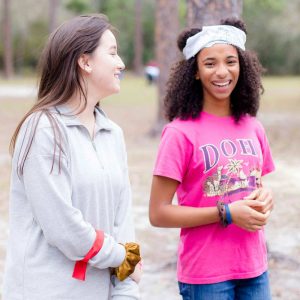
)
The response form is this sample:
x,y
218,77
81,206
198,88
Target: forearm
x,y
169,215
163,213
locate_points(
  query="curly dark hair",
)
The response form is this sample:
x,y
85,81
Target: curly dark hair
x,y
184,97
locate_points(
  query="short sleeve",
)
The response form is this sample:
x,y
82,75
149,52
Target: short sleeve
x,y
174,154
268,163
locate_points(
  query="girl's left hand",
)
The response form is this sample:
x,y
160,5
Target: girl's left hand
x,y
264,198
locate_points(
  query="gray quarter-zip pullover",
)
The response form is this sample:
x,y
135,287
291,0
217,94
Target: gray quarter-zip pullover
x,y
53,215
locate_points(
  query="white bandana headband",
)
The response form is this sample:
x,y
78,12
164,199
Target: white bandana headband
x,y
210,35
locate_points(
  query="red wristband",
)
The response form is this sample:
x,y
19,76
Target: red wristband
x,y
81,265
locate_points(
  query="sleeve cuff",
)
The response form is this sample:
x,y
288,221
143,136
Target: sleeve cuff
x,y
120,254
125,290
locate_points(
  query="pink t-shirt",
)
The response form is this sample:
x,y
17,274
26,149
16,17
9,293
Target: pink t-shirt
x,y
214,158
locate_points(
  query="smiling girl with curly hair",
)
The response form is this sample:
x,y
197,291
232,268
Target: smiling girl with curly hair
x,y
213,154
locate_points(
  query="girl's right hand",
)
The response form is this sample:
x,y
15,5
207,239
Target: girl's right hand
x,y
137,274
245,216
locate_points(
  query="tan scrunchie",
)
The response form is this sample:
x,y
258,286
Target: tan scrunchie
x,y
131,260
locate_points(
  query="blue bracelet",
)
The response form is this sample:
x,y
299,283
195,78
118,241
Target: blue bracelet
x,y
228,214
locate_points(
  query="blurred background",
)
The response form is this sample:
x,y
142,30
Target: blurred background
x,y
147,43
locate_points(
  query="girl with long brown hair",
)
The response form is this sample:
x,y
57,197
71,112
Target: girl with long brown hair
x,y
71,229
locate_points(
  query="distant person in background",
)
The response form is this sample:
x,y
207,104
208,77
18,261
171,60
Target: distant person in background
x,y
152,72
71,233
213,154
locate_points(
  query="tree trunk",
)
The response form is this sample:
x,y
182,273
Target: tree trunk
x,y
7,40
166,31
138,38
211,12
53,10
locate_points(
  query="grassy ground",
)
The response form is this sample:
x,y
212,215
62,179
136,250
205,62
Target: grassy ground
x,y
135,110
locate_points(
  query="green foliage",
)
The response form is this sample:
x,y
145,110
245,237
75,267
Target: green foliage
x,y
148,30
273,32
78,6
182,13
1,56
256,5
28,46
273,29
121,14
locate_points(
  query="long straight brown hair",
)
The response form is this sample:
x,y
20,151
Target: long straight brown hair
x,y
60,76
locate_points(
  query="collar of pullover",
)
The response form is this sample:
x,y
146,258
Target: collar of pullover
x,y
102,122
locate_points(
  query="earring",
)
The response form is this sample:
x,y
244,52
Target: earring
x,y
87,69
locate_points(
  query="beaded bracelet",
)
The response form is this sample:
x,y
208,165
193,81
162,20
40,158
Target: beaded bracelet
x,y
224,213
